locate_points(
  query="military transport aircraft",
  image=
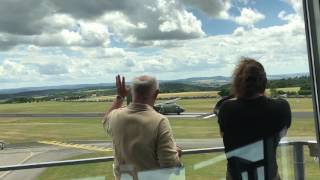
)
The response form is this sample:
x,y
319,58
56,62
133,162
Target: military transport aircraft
x,y
169,107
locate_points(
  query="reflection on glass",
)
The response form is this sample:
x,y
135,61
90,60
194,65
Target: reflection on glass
x,y
247,162
163,174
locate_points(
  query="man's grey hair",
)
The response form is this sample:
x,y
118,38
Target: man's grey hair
x,y
144,86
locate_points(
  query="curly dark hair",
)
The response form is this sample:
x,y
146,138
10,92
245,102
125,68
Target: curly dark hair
x,y
249,79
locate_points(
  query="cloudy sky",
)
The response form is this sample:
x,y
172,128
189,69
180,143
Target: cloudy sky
x,y
54,42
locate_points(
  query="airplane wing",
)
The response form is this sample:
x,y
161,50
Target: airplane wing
x,y
171,101
207,115
217,107
168,102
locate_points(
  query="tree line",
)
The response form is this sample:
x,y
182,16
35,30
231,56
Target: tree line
x,y
304,82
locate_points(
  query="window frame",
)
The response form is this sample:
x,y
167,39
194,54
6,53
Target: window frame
x,y
311,10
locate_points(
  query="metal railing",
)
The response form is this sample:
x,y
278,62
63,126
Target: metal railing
x,y
298,158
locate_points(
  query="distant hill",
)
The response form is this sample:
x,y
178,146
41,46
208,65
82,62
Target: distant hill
x,y
286,76
217,81
173,87
214,81
179,85
60,93
302,81
165,87
61,87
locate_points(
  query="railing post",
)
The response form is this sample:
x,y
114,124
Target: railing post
x,y
298,160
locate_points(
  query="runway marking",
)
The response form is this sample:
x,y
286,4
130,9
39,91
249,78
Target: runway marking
x,y
21,162
78,146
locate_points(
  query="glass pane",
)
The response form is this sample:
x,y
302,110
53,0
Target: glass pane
x,y
58,60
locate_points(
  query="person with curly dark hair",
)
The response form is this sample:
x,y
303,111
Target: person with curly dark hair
x,y
251,116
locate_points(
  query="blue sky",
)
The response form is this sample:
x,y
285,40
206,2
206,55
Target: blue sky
x,y
63,42
270,9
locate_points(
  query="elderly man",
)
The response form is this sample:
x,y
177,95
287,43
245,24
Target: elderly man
x,y
142,137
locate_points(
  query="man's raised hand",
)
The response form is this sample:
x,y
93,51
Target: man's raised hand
x,y
122,90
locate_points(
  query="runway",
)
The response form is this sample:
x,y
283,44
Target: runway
x,y
297,115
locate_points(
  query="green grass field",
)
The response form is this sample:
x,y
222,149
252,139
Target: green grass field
x,y
287,89
104,170
32,130
191,105
301,104
188,94
162,95
55,107
20,130
213,167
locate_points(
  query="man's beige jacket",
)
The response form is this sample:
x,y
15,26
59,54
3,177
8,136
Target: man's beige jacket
x,y
142,140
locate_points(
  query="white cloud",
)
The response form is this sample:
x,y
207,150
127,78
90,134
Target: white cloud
x,y
168,26
12,72
56,22
104,53
86,34
296,5
94,34
249,17
159,20
80,23
75,45
239,31
62,38
212,8
52,69
275,46
23,17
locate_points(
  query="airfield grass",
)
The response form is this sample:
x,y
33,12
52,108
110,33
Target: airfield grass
x,y
67,129
163,95
289,89
206,105
300,104
55,107
104,170
190,105
195,128
32,130
187,94
286,89
213,167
